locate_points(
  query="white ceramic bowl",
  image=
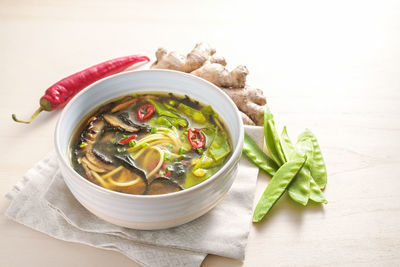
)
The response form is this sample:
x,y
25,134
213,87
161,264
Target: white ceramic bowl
x,y
141,211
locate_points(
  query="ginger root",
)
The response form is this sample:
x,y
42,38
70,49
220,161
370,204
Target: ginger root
x,y
174,61
246,120
220,76
250,101
202,62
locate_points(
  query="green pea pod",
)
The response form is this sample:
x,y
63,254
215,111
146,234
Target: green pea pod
x,y
299,189
317,163
258,157
161,110
219,147
195,114
178,122
316,194
277,187
287,144
272,140
209,112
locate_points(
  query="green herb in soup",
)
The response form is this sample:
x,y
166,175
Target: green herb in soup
x,y
153,143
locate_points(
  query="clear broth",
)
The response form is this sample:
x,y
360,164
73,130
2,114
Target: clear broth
x,y
114,149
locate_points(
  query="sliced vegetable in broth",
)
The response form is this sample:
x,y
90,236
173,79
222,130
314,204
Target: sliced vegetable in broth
x,y
150,143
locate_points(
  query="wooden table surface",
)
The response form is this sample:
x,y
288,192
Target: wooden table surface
x,y
333,67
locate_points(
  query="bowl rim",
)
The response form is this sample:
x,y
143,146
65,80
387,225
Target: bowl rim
x,y
234,157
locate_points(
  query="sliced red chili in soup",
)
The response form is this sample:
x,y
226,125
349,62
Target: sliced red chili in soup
x,y
196,138
145,112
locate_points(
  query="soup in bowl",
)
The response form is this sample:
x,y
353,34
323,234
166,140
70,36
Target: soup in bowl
x,y
150,143
149,149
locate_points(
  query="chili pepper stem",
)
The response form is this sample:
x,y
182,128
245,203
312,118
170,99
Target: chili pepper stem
x,y
40,109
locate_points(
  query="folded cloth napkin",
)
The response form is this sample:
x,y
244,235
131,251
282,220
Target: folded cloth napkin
x,y
42,201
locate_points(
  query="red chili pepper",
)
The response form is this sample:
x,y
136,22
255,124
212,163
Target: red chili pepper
x,y
145,112
58,95
126,140
196,138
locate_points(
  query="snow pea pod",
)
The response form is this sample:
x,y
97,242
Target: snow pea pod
x,y
219,147
316,194
303,187
287,144
161,110
299,189
317,163
258,157
277,186
195,114
272,140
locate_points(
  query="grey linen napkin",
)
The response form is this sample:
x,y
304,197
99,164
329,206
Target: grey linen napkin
x,y
42,201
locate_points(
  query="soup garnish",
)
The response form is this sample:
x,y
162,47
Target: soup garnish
x,y
150,143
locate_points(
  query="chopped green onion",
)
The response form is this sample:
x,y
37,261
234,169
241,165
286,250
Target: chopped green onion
x,y
121,149
170,147
161,173
132,143
153,130
124,136
170,168
182,150
200,150
167,156
172,103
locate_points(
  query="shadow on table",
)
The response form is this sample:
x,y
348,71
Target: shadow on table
x,y
289,212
